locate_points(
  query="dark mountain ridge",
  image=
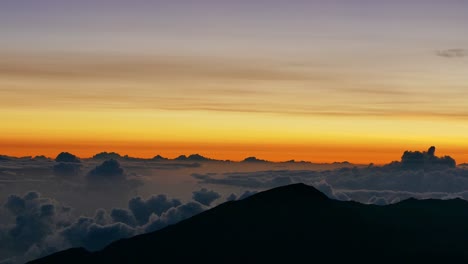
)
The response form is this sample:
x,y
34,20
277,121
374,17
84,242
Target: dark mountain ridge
x,y
297,223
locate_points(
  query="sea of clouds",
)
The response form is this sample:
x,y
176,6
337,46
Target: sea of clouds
x,y
49,205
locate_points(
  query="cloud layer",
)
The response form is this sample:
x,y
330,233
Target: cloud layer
x,y
34,225
44,225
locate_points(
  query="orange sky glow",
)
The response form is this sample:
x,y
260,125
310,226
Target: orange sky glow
x,y
320,81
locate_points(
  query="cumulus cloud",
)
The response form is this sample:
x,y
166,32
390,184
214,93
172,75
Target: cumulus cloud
x,y
35,218
85,232
43,225
205,196
181,212
142,209
425,160
101,217
107,156
173,216
110,173
67,157
15,204
109,170
123,216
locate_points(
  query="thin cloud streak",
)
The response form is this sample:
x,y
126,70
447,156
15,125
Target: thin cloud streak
x,y
74,67
212,85
452,53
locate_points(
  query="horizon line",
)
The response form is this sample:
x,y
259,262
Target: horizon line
x,y
202,158
246,159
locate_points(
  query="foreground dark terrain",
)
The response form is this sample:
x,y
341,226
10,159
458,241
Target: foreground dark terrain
x,y
298,223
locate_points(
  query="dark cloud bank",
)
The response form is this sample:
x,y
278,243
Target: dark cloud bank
x,y
43,225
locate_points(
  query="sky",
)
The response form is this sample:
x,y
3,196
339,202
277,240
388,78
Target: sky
x,y
320,81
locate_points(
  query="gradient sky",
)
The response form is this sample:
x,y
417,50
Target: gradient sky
x,y
307,80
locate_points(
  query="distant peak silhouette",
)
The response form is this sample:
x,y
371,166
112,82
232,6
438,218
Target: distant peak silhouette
x,y
192,157
253,159
297,191
159,158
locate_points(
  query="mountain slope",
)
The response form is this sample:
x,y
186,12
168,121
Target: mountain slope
x,y
297,223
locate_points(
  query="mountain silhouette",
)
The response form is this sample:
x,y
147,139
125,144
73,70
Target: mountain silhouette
x,y
159,158
254,159
298,224
193,157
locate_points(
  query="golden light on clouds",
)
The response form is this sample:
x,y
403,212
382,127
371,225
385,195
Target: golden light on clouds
x,y
280,109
